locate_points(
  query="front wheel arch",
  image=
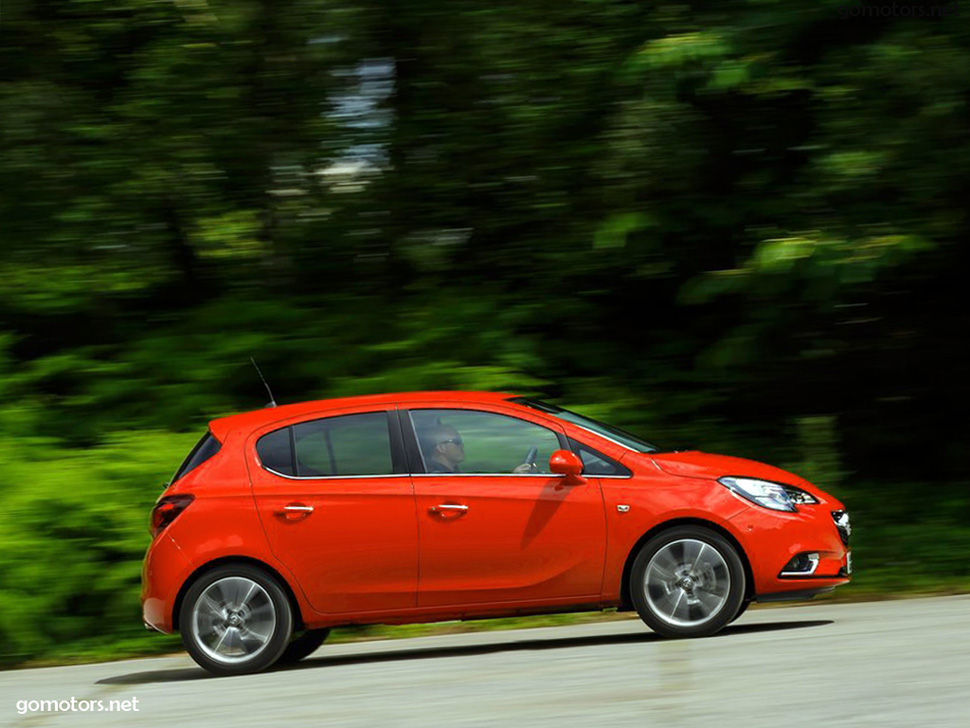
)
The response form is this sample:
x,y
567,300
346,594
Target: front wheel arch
x,y
625,597
223,561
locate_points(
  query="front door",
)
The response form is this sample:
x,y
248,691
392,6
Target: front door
x,y
338,508
495,525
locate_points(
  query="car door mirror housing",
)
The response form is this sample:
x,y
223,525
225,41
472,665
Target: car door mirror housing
x,y
567,464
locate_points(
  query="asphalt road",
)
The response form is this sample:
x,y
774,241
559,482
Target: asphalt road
x,y
901,663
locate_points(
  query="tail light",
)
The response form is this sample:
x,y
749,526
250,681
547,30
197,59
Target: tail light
x,y
167,510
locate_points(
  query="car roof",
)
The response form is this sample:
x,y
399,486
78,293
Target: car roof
x,y
248,421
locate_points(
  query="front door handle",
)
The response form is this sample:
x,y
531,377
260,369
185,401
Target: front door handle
x,y
444,507
292,511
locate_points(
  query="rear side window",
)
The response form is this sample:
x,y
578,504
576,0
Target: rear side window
x,y
203,450
334,446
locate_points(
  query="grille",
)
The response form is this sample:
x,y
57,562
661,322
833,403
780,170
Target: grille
x,y
841,519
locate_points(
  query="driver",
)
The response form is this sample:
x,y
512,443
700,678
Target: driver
x,y
447,451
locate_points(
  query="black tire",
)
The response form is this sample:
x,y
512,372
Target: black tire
x,y
303,645
744,607
263,620
696,582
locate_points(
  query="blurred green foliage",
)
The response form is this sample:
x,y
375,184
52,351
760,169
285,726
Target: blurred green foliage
x,y
735,225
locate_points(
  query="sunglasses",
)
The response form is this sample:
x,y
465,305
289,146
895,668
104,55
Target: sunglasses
x,y
456,440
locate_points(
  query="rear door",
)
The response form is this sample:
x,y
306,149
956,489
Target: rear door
x,y
337,505
489,535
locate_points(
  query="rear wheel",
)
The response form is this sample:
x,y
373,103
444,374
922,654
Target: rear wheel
x,y
303,645
235,619
687,581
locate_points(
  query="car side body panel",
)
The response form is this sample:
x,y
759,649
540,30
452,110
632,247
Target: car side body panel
x,y
220,524
522,538
494,538
357,549
639,505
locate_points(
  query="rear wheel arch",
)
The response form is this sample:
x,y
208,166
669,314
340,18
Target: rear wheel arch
x,y
228,560
625,598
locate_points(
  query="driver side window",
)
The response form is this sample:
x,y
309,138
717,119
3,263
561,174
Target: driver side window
x,y
472,442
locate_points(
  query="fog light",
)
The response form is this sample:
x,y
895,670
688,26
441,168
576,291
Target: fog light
x,y
801,565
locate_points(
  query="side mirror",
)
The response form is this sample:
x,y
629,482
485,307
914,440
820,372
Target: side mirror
x,y
567,464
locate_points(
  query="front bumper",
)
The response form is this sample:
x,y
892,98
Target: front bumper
x,y
772,538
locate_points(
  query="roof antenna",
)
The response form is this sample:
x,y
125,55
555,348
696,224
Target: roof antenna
x,y
272,401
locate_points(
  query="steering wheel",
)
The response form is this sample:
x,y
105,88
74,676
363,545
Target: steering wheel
x,y
530,457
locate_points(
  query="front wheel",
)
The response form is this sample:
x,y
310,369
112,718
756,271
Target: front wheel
x,y
235,619
687,581
744,606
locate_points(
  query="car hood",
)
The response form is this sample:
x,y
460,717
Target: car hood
x,y
694,464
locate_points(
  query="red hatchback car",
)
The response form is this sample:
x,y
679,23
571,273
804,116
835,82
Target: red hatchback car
x,y
419,507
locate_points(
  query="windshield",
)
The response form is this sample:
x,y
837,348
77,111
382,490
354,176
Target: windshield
x,y
608,431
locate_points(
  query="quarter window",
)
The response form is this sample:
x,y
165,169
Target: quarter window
x,y
471,442
595,462
276,452
334,446
203,450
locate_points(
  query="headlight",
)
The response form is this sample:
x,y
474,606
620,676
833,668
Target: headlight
x,y
775,496
800,497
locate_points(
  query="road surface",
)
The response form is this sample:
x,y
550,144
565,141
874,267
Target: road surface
x,y
901,663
